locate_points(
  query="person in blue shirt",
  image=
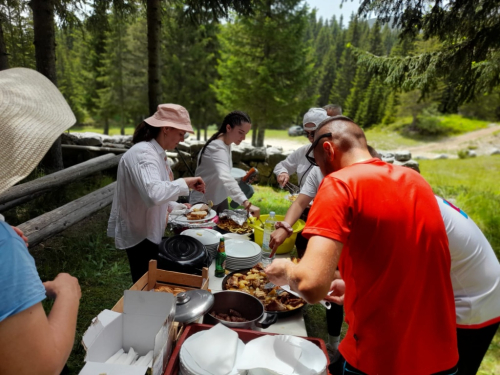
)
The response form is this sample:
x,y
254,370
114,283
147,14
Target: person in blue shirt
x,y
33,113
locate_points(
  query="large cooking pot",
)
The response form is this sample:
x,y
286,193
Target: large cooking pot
x,y
280,314
248,306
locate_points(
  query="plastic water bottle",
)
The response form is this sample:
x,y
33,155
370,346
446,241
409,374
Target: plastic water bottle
x,y
268,229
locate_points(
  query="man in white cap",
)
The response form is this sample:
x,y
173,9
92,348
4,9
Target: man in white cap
x,y
146,190
33,113
296,162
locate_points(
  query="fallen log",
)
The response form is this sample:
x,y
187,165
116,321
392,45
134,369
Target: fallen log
x,y
95,149
12,196
53,222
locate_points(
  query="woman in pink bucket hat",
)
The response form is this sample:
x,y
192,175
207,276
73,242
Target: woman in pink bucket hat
x,y
146,190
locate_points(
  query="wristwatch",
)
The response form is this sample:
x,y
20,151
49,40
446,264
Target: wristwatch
x,y
285,226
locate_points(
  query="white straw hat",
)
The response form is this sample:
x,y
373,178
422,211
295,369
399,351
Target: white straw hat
x,y
33,113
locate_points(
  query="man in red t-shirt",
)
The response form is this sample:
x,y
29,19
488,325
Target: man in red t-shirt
x,y
381,224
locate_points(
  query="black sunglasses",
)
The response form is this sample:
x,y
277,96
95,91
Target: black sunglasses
x,y
310,158
309,134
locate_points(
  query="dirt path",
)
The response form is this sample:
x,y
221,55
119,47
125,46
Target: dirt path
x,y
483,139
287,144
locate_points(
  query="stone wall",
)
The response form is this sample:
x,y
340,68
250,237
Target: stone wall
x,y
244,156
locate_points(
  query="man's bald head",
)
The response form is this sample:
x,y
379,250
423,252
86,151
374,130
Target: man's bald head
x,y
346,134
346,145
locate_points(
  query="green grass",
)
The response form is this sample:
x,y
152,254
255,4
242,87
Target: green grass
x,y
103,272
461,124
383,138
474,184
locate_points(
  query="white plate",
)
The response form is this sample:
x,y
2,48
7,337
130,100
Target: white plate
x,y
206,236
183,219
237,173
242,249
189,364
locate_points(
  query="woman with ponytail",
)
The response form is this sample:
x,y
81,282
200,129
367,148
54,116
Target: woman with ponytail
x,y
215,163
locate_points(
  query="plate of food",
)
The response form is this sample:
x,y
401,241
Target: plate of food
x,y
196,214
229,225
253,281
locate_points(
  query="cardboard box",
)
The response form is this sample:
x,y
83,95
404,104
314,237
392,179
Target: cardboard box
x,y
145,324
155,277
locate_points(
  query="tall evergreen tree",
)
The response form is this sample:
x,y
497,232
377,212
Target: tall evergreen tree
x,y
190,56
264,65
347,69
67,64
371,108
468,57
362,78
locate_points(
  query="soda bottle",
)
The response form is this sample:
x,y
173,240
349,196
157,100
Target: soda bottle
x,y
220,260
268,229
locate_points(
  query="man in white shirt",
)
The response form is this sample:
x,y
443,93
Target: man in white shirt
x,y
296,162
146,190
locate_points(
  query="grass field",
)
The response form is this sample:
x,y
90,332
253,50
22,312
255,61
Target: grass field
x,y
85,251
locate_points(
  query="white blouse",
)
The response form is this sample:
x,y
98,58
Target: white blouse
x,y
215,170
144,192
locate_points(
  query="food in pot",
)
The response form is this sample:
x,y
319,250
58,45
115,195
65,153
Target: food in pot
x,y
254,281
233,316
231,226
169,289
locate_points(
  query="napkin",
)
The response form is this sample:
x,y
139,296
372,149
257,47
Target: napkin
x,y
270,353
215,350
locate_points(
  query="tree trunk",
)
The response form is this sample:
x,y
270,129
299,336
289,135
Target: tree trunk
x,y
260,136
4,60
198,132
206,128
106,126
255,128
45,55
154,26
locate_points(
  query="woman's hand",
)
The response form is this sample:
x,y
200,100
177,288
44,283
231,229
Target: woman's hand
x,y
283,178
195,183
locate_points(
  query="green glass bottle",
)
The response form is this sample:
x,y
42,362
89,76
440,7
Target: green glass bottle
x,y
220,260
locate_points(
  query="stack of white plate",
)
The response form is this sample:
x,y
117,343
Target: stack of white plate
x,y
188,365
242,254
208,237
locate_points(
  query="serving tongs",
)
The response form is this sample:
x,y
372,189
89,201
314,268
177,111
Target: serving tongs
x,y
286,288
293,189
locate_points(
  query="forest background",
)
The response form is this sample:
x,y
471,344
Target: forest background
x,y
273,64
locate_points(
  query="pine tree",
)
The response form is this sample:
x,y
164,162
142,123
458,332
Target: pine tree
x,y
347,69
362,79
371,108
468,58
111,98
67,60
264,65
191,52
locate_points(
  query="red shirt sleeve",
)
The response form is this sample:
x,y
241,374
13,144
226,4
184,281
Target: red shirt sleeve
x,y
331,212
